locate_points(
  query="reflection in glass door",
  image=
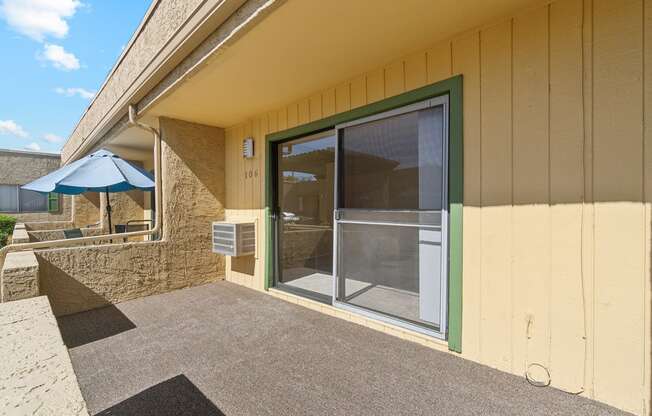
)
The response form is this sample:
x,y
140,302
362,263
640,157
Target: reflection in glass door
x,y
304,215
391,218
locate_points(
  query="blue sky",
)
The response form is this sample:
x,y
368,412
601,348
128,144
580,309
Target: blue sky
x,y
56,54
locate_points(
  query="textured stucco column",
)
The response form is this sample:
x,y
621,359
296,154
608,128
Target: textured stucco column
x,y
19,276
36,375
83,278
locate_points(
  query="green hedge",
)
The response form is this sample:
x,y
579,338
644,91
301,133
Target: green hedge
x,y
6,228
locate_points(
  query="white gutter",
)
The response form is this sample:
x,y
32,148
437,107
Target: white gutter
x,y
72,242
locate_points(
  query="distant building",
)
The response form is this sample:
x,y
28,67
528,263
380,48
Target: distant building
x,y
18,168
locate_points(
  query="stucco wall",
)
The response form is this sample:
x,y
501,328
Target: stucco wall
x,y
58,234
125,206
557,188
20,168
36,375
19,277
87,209
83,278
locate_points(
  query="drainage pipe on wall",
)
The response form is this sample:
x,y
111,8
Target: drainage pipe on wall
x,y
72,242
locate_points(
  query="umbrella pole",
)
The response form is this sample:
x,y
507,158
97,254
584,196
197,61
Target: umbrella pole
x,y
108,210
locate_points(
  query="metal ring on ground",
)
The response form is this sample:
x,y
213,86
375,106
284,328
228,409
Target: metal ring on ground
x,y
534,382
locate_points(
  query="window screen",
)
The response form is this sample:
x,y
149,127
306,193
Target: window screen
x,y
31,201
394,163
8,198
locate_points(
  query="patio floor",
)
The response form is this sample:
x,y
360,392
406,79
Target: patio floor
x,y
222,349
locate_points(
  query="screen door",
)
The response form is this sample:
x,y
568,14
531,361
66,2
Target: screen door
x,y
391,215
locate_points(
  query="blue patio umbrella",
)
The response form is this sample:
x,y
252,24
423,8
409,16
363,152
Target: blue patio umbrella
x,y
101,171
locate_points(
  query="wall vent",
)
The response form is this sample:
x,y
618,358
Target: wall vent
x,y
234,238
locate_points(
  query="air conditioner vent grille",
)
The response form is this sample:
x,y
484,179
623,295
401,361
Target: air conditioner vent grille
x,y
234,239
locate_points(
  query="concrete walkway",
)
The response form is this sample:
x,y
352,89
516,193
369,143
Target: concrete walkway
x,y
221,349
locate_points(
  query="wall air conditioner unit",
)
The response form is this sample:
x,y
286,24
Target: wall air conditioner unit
x,y
234,238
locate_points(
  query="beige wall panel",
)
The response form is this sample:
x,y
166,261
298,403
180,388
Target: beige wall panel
x,y
439,61
261,150
395,78
588,217
249,193
328,102
237,154
233,169
231,172
247,164
259,129
416,71
567,306
466,60
496,94
343,97
618,170
304,111
375,85
531,213
283,119
648,201
358,91
315,107
293,115
272,118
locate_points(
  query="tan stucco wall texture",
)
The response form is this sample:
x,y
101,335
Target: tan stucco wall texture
x,y
20,168
87,209
125,207
36,374
19,277
58,234
83,278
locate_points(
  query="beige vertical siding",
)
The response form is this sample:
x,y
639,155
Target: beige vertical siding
x,y
558,188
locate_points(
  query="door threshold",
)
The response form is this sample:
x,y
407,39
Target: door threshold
x,y
389,320
317,297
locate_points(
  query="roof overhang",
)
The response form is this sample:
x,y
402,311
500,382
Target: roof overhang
x,y
222,67
306,46
130,85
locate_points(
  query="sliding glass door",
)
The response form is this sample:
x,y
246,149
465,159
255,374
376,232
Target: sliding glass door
x,y
361,216
391,217
304,215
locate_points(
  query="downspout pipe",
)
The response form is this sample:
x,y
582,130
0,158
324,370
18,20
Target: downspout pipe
x,y
72,242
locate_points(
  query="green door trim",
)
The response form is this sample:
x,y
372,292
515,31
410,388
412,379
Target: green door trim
x,y
452,87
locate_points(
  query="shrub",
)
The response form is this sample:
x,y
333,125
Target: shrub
x,y
7,224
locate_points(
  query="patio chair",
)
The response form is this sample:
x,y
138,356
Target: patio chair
x,y
133,225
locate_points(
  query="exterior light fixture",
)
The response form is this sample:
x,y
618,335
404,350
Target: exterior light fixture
x,y
248,148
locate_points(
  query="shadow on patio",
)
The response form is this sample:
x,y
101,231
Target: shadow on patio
x,y
174,397
82,328
248,353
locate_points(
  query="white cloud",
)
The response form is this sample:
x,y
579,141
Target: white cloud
x,y
39,18
60,58
11,128
52,138
33,146
70,92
